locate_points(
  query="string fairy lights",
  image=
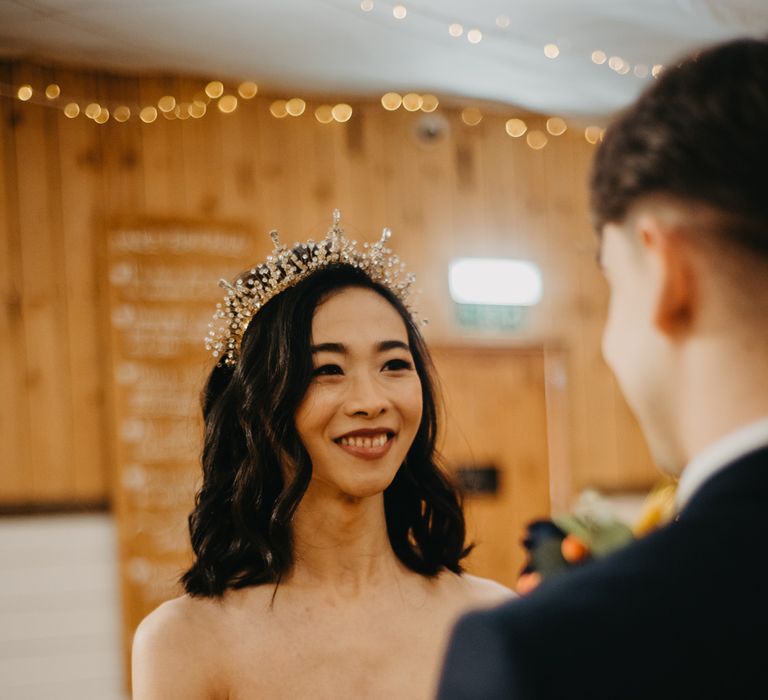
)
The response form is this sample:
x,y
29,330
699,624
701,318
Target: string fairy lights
x,y
102,111
623,67
501,25
471,116
216,93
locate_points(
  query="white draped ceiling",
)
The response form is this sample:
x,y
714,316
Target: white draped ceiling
x,y
354,48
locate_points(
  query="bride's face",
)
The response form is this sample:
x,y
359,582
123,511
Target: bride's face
x,y
363,407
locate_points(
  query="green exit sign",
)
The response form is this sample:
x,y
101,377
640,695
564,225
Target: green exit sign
x,y
493,316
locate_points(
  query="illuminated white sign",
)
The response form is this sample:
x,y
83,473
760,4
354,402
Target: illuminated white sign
x,y
494,282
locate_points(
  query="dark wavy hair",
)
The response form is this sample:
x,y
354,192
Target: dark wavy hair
x,y
256,469
698,134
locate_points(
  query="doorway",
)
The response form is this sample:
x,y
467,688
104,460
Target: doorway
x,y
494,438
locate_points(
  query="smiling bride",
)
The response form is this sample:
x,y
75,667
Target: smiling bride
x,y
327,540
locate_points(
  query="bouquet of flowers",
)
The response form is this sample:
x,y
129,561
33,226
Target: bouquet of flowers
x,y
591,531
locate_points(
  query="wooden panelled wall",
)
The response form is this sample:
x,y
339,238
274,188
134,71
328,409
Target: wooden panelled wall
x,y
474,192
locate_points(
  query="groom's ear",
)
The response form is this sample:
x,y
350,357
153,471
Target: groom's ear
x,y
674,274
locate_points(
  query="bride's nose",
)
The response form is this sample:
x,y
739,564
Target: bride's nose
x,y
365,397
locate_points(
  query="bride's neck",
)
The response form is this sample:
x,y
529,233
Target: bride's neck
x,y
342,543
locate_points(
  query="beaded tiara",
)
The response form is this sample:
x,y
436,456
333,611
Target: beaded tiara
x,y
286,267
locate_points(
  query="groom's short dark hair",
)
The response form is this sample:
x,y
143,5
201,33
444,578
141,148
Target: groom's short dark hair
x,y
698,134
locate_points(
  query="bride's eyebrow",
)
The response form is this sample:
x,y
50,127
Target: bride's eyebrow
x,y
385,345
341,349
338,348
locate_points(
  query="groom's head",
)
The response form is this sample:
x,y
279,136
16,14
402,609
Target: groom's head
x,y
680,201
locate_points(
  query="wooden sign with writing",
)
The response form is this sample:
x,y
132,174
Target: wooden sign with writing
x,y
162,292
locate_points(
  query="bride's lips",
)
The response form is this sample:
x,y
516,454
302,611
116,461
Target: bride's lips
x,y
369,443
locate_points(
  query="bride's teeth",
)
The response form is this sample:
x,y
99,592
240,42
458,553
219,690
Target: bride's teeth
x,y
364,442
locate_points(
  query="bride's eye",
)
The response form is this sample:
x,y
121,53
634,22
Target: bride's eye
x,y
327,370
395,365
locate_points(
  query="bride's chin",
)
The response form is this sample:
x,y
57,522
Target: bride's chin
x,y
361,481
364,487
360,492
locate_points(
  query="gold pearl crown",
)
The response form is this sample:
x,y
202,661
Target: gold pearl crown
x,y
286,267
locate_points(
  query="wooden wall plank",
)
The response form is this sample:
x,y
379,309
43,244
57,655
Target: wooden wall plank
x,y
44,299
203,160
163,187
273,184
15,479
236,181
81,163
121,155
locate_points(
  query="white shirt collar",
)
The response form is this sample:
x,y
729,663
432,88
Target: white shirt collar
x,y
718,455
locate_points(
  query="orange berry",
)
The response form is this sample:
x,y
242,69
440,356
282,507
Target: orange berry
x,y
573,549
527,582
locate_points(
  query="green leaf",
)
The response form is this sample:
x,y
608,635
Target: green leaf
x,y
602,536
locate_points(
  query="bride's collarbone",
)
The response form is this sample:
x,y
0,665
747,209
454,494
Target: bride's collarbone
x,y
367,616
320,646
332,658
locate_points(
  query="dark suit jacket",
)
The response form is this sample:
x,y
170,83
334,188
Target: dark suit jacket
x,y
681,613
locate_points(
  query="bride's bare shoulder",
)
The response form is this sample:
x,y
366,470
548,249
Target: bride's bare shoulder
x,y
177,618
198,621
479,591
171,651
485,590
180,648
